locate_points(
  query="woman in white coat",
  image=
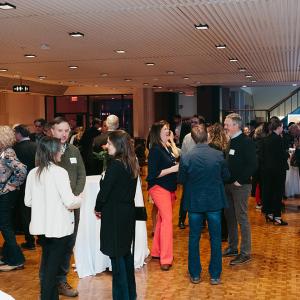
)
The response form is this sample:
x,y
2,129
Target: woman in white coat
x,y
48,193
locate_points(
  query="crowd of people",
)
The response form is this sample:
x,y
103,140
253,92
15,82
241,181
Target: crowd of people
x,y
43,175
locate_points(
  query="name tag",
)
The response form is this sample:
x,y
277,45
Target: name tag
x,y
231,152
73,160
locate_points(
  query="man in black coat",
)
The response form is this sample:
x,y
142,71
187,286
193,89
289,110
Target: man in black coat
x,y
274,165
25,150
86,145
241,157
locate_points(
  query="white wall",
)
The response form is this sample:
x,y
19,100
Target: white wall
x,y
266,97
189,105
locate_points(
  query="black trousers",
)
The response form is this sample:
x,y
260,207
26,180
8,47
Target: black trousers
x,y
12,253
273,191
53,252
123,285
182,212
25,216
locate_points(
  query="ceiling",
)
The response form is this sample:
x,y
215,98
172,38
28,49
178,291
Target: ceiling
x,y
264,35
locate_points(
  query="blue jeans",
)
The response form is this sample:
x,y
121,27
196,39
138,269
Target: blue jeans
x,y
123,285
214,228
12,254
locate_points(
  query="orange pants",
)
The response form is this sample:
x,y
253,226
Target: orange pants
x,y
162,245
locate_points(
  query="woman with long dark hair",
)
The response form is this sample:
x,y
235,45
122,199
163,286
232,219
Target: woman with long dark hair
x,y
48,193
115,206
162,169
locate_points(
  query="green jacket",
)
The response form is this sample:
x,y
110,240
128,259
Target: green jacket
x,y
72,161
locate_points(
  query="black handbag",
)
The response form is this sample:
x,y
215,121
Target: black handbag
x,y
140,213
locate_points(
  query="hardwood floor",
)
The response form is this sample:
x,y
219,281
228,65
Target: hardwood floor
x,y
274,272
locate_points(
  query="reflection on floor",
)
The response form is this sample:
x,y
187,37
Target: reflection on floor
x,y
274,272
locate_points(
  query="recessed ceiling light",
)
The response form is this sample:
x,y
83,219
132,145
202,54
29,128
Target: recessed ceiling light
x,y
201,26
7,6
294,84
244,86
253,81
155,79
104,74
145,83
150,64
248,76
30,55
41,77
180,92
73,67
3,70
45,47
159,87
128,79
186,78
221,46
242,69
170,72
76,34
120,51
233,59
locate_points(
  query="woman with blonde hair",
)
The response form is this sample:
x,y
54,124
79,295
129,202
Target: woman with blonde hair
x,y
12,175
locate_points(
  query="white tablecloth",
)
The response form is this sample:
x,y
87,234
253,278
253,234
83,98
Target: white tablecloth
x,y
292,183
89,259
4,296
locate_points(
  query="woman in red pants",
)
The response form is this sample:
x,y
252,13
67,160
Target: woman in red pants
x,y
162,178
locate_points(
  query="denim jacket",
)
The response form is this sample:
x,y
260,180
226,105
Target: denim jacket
x,y
12,171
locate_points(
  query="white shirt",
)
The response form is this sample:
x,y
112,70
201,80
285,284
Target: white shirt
x,y
187,144
51,200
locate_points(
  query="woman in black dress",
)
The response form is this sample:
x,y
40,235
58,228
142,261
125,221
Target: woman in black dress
x,y
115,206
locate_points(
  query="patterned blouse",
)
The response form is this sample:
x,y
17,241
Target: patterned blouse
x,y
12,171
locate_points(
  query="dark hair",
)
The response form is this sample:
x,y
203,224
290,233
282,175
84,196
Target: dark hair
x,y
124,150
42,121
201,119
23,130
96,121
274,124
199,134
46,150
58,120
154,135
